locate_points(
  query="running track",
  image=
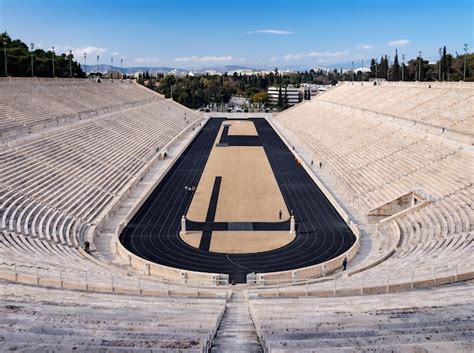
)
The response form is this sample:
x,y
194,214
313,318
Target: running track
x,y
153,232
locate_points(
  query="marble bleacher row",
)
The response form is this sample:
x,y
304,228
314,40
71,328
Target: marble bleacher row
x,y
375,161
56,186
30,104
36,261
434,320
445,105
35,319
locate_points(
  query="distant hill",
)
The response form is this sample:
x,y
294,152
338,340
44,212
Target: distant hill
x,y
164,69
227,68
132,70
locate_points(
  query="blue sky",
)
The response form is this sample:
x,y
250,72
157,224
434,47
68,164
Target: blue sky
x,y
258,33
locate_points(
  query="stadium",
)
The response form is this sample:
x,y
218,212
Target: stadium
x,y
132,223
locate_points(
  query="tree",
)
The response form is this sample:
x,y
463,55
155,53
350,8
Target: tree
x,y
260,97
383,67
396,68
444,65
19,61
280,97
165,85
373,68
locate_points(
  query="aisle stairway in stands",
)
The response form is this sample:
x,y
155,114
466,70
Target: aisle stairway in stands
x,y
236,332
72,151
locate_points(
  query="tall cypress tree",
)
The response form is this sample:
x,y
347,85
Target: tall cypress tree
x,y
280,97
373,68
444,65
396,68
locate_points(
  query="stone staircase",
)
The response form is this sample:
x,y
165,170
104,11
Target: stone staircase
x,y
236,332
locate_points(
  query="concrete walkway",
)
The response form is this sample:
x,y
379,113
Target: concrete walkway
x,y
236,332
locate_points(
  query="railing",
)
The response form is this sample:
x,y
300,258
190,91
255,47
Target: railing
x,y
105,282
341,285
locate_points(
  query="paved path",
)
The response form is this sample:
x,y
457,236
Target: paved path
x,y
236,332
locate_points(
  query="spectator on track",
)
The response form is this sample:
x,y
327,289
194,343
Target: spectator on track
x,y
280,214
320,165
344,264
311,162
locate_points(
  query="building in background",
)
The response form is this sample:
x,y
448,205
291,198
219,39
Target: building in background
x,y
293,95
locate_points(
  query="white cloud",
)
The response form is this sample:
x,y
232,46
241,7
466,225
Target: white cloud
x,y
146,60
399,42
280,32
195,58
90,51
289,57
316,54
115,53
273,59
327,54
364,46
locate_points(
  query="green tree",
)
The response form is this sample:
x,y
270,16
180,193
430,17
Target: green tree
x,y
19,61
260,97
373,68
396,68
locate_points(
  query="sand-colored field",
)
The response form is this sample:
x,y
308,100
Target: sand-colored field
x,y
237,242
241,127
249,191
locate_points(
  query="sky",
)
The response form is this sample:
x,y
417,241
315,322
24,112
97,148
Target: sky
x,y
257,33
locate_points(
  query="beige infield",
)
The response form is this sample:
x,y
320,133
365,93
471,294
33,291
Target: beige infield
x,y
249,192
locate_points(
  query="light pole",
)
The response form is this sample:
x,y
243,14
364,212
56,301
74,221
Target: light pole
x,y
5,55
32,48
465,55
439,66
403,67
362,71
376,69
121,69
70,63
419,67
52,60
352,71
97,64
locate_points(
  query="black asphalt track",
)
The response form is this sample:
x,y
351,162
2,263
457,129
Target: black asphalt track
x,y
237,140
153,233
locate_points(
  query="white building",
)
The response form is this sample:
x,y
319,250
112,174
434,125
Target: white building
x,y
294,95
